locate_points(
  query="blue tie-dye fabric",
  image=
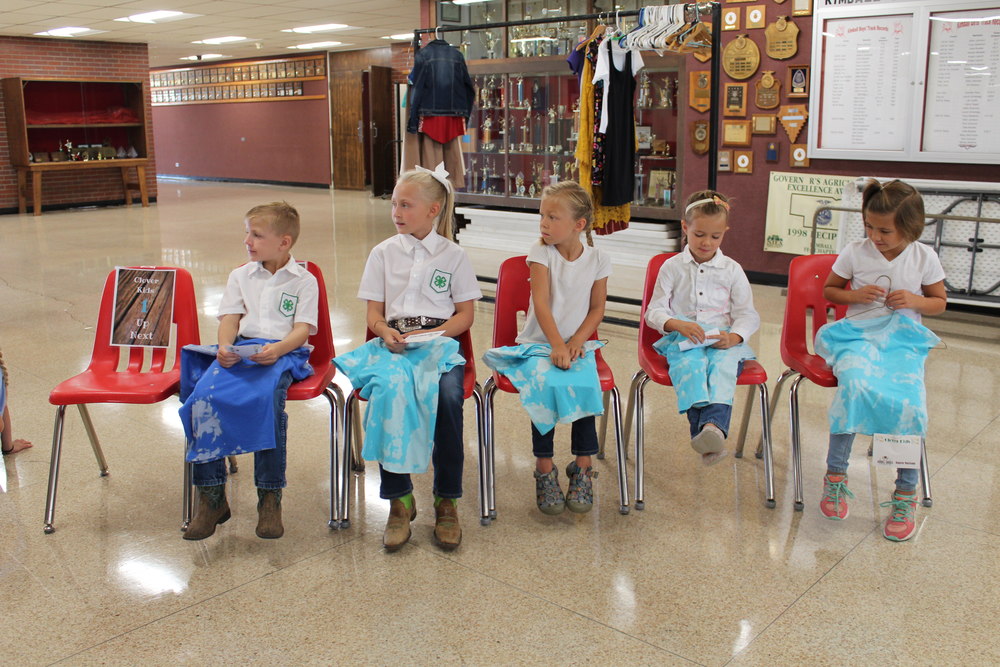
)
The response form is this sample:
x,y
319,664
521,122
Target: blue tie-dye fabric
x,y
549,394
230,411
702,375
879,364
402,394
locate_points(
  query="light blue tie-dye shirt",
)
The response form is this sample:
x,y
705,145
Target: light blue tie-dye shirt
x,y
702,375
879,364
550,394
402,394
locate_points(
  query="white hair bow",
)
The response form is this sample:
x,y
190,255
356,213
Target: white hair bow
x,y
440,174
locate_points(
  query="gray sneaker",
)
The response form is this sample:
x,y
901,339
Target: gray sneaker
x,y
548,494
580,492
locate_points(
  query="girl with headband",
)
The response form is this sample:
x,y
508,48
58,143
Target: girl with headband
x,y
703,304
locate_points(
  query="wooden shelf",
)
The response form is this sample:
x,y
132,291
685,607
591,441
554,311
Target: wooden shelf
x,y
229,84
56,126
276,98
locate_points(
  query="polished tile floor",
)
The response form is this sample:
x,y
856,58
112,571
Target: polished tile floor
x,y
706,574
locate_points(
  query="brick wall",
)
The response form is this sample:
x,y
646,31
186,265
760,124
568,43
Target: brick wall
x,y
31,57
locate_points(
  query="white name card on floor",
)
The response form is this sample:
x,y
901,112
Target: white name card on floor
x,y
898,451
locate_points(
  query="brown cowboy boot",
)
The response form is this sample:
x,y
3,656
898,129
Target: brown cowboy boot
x,y
269,514
213,509
447,532
397,528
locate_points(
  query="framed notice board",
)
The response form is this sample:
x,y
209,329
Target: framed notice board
x,y
906,80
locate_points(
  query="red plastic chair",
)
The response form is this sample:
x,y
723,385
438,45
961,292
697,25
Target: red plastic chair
x,y
807,307
320,382
102,382
653,366
351,420
512,297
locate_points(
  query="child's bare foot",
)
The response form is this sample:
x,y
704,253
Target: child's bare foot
x,y
17,446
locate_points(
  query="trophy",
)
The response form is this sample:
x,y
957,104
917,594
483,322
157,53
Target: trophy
x,y
472,174
488,135
519,87
519,182
490,41
484,96
554,178
645,93
484,181
665,93
526,146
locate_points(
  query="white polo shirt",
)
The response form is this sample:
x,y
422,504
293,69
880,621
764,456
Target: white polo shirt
x,y
570,284
413,277
271,303
863,264
715,293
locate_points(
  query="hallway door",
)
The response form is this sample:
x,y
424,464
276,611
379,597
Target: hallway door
x,y
347,130
382,156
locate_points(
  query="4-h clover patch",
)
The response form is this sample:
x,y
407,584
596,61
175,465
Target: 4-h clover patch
x,y
440,281
287,304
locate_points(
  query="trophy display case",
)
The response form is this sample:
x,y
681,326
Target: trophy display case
x,y
523,132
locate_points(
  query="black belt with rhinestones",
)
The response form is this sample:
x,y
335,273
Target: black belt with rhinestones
x,y
408,324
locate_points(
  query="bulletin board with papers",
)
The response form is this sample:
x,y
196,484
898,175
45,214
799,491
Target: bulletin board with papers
x,y
905,80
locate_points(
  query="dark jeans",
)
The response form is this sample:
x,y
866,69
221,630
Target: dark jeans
x,y
448,455
583,440
714,413
268,464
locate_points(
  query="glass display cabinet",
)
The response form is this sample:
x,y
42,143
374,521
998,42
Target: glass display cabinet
x,y
523,133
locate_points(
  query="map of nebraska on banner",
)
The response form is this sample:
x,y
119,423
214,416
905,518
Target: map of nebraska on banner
x,y
792,200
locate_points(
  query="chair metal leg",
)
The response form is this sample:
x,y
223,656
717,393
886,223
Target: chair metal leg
x,y
350,407
793,408
925,477
187,496
50,496
629,410
744,422
788,372
768,453
602,429
620,448
357,461
95,444
640,390
482,421
489,467
335,396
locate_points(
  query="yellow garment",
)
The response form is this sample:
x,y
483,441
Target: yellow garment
x,y
613,217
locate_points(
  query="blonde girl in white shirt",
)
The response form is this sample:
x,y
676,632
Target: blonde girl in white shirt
x,y
420,280
699,289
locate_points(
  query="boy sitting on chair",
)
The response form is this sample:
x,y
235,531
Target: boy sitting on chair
x,y
237,403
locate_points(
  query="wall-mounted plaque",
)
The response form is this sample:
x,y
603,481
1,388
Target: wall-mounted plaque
x,y
741,58
767,91
700,90
782,39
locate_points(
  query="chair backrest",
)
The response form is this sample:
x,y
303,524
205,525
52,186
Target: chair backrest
x,y
647,334
806,277
105,356
512,297
322,341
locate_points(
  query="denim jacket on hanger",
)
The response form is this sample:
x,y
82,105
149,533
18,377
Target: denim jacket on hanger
x,y
441,85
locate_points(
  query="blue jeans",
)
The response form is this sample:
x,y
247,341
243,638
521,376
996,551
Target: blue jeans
x,y
448,455
583,440
268,464
840,451
713,413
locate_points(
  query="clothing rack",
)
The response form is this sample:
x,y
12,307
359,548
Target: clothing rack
x,y
713,9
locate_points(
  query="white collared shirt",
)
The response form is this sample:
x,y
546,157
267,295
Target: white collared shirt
x,y
271,303
863,264
715,293
415,277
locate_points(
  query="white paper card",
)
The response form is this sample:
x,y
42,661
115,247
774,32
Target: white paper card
x,y
898,451
246,351
686,344
423,336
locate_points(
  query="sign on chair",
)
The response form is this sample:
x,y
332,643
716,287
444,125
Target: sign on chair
x,y
144,307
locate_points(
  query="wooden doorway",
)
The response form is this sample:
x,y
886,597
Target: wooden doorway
x,y
347,130
381,151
